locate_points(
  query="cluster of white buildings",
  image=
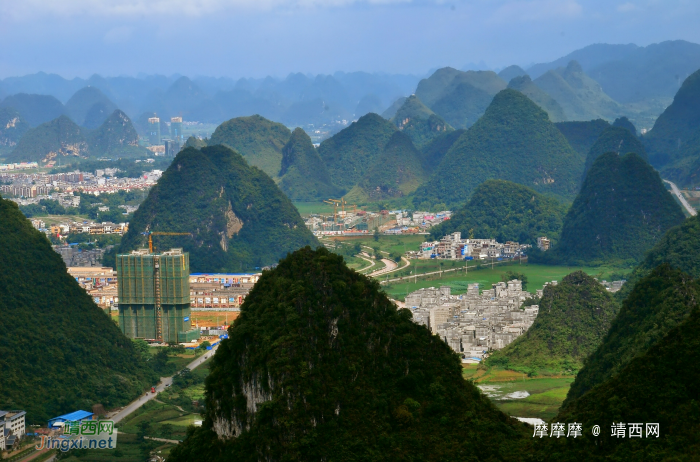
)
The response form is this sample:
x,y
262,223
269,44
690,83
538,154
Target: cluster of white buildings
x,y
12,428
477,322
453,247
18,166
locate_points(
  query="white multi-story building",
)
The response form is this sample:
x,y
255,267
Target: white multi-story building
x,y
474,323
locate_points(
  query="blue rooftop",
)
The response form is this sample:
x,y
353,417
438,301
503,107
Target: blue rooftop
x,y
73,416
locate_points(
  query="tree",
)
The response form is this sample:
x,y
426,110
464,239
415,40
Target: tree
x,y
510,275
204,345
376,234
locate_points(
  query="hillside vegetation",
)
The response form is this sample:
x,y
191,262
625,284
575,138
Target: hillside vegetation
x,y
460,98
505,211
303,176
350,153
657,303
679,247
582,135
86,106
677,125
525,86
64,138
418,122
581,97
257,139
35,109
658,384
514,141
347,375
59,351
12,127
614,139
238,217
396,173
573,318
620,213
432,154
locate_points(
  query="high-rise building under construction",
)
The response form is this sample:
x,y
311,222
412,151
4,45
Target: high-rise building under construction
x,y
154,296
154,131
176,128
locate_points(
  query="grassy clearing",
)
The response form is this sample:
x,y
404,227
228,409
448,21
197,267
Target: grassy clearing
x,y
130,448
537,275
545,393
308,208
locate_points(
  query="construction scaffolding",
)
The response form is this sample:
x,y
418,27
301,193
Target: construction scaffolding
x,y
154,296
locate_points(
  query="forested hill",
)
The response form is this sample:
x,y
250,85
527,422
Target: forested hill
x,y
679,248
58,138
238,217
258,140
582,135
303,176
62,137
35,109
657,303
573,319
623,209
677,125
525,86
615,139
12,127
658,383
350,153
505,211
420,123
59,351
396,173
514,141
349,377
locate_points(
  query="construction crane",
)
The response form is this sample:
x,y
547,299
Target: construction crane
x,y
160,233
334,203
156,279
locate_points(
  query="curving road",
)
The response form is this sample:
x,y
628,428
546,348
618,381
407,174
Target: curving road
x,y
164,381
681,198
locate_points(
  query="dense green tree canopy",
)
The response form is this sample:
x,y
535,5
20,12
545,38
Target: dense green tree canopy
x,y
505,211
258,140
525,86
656,304
573,318
59,351
350,153
582,135
303,176
514,141
396,173
658,384
321,364
614,139
238,217
620,213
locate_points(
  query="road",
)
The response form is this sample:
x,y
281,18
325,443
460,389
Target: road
x,y
681,198
164,382
390,266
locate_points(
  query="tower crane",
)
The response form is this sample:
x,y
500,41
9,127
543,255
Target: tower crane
x,y
160,233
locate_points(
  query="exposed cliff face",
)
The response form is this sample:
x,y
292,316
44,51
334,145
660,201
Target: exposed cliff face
x,y
320,363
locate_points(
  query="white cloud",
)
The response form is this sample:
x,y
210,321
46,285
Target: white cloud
x,y
130,8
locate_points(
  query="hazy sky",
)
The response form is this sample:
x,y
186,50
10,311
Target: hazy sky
x,y
274,37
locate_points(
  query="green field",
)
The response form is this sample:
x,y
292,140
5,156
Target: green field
x,y
537,275
307,208
518,395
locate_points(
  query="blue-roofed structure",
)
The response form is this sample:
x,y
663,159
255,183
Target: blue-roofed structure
x,y
77,416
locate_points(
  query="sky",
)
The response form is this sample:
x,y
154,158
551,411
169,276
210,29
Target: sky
x,y
256,38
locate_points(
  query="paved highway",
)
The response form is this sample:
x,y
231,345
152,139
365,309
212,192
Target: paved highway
x,y
164,381
680,197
